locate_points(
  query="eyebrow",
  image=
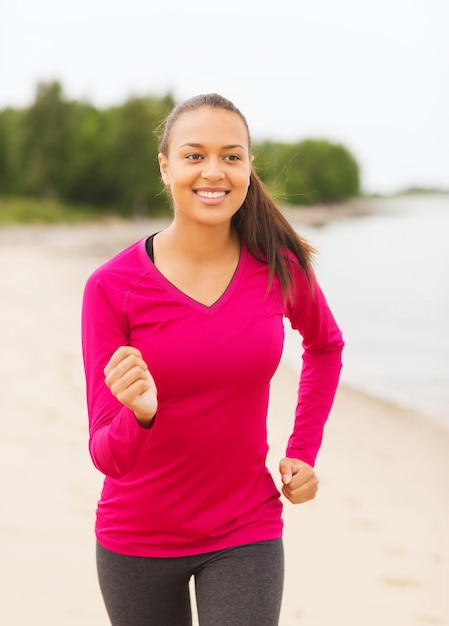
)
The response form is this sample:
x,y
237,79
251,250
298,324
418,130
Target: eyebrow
x,y
199,145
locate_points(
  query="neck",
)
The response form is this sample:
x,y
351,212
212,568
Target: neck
x,y
200,242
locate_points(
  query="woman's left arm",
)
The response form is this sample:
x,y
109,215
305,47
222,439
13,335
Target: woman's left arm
x,y
310,314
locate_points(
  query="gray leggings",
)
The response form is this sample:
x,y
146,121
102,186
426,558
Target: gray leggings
x,y
240,586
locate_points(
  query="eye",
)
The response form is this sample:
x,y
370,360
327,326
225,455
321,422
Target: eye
x,y
232,157
194,156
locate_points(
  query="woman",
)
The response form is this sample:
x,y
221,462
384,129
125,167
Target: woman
x,y
182,333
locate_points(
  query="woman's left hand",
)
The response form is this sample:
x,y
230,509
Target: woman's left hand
x,y
299,480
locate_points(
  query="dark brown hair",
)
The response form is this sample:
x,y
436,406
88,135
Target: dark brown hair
x,y
260,224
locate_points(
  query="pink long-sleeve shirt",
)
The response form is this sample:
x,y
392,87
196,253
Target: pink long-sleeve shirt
x,y
196,481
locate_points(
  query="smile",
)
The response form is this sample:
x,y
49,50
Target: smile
x,y
211,194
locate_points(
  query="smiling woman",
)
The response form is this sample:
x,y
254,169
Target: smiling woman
x,y
187,327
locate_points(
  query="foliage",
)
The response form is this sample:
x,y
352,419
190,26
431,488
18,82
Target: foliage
x,y
39,210
309,172
78,154
47,139
10,132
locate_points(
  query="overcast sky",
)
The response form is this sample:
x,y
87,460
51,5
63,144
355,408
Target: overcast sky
x,y
372,75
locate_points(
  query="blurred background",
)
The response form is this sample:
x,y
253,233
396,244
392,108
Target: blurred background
x,y
347,103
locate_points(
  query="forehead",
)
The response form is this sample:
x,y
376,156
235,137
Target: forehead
x,y
209,125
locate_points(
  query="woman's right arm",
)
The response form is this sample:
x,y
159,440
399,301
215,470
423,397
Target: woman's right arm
x,y
122,406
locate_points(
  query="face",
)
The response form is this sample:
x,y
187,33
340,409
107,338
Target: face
x,y
208,165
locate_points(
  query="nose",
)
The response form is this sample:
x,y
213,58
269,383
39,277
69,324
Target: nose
x,y
212,169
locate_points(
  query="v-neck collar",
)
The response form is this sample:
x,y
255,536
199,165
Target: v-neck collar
x,y
179,295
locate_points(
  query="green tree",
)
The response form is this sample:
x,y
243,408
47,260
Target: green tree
x,y
46,141
309,172
89,178
320,171
10,124
134,154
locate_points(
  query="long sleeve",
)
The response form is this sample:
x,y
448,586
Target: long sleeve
x,y
116,439
309,313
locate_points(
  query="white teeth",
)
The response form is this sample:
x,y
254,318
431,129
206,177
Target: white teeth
x,y
211,194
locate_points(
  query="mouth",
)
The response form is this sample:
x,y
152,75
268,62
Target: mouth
x,y
211,195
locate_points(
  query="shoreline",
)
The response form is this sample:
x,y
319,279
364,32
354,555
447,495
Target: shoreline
x,y
323,214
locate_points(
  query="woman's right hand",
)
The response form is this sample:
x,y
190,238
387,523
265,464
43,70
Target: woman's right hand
x,y
129,380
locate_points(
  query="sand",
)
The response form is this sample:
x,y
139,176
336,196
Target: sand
x,y
372,549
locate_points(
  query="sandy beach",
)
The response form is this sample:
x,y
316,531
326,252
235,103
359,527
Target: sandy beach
x,y
372,549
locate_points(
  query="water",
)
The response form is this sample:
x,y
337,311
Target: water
x,y
386,277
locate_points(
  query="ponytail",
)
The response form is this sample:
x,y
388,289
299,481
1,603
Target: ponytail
x,y
269,236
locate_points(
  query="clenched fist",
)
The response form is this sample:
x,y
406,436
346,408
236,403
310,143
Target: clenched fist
x,y
129,380
299,481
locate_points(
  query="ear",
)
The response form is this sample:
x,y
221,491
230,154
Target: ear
x,y
163,167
